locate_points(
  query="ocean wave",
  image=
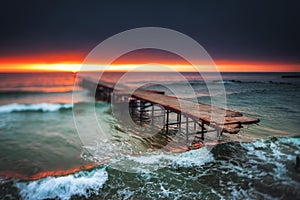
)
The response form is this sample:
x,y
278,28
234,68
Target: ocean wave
x,y
89,183
193,158
44,107
82,184
33,92
229,82
291,140
36,90
276,145
274,151
240,167
268,159
155,161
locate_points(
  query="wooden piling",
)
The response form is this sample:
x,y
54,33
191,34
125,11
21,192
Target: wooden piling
x,y
231,122
152,116
298,163
167,122
179,122
202,130
187,130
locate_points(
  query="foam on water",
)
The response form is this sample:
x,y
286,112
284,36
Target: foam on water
x,y
193,158
291,140
271,152
152,162
87,183
84,183
45,107
275,146
263,169
154,183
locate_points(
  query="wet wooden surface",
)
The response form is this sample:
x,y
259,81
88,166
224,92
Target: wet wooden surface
x,y
227,120
224,119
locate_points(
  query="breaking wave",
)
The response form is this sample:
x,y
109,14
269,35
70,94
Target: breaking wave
x,y
89,183
229,82
152,162
82,184
265,158
34,92
44,107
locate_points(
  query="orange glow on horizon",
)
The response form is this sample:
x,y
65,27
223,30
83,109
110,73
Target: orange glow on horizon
x,y
252,66
75,64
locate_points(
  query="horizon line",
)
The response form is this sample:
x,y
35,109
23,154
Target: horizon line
x,y
121,71
216,66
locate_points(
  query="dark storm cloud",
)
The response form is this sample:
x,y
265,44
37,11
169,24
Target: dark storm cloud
x,y
258,30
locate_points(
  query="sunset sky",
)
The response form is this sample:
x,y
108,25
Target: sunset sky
x,y
58,35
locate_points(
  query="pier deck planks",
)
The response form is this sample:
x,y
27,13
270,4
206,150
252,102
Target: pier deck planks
x,y
224,119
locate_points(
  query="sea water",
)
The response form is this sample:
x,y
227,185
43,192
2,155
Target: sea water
x,y
38,136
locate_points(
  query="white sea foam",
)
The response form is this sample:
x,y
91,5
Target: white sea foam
x,y
45,107
277,157
83,183
291,140
192,158
152,162
225,82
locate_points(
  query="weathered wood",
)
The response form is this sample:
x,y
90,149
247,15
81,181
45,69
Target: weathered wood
x,y
222,119
202,130
167,122
192,110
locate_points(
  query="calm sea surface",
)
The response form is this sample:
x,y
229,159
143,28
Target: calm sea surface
x,y
40,147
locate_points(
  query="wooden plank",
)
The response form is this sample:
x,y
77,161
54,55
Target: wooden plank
x,y
196,110
192,109
224,119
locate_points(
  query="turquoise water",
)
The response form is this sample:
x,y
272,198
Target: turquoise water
x,y
38,135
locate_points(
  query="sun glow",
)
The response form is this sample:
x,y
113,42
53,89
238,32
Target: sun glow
x,y
75,67
139,60
63,67
70,67
222,66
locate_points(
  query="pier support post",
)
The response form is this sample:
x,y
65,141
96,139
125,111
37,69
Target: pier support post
x,y
298,163
132,107
142,110
152,116
167,122
202,130
219,133
164,118
179,122
187,130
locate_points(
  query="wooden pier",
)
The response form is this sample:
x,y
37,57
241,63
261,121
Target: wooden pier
x,y
202,117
